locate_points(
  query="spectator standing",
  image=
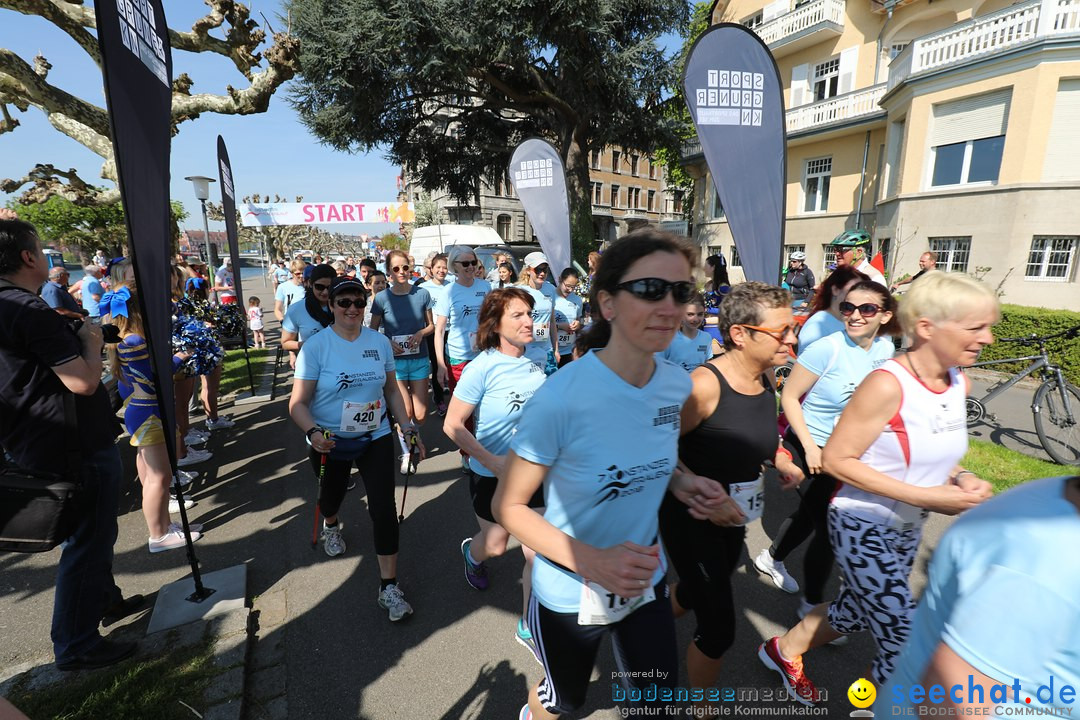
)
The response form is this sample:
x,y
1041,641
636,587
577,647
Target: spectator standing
x,y
799,278
225,283
55,293
92,292
927,262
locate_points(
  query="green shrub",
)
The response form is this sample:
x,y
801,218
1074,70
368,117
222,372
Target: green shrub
x,y
1020,321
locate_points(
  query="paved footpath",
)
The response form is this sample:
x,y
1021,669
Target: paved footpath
x,y
321,647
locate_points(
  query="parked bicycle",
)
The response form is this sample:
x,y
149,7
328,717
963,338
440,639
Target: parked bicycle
x,y
1055,406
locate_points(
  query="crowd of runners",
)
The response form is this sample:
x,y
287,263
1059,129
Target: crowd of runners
x,y
662,465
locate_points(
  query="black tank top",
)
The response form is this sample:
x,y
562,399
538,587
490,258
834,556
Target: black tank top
x,y
740,434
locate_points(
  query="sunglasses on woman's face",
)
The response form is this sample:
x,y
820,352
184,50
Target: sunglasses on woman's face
x,y
866,310
542,270
399,268
346,303
656,289
319,287
467,263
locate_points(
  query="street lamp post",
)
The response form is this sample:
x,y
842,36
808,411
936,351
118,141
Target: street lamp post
x,y
201,185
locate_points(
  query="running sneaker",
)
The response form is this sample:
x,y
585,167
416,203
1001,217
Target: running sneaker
x,y
475,573
804,610
333,543
185,477
196,437
222,423
791,672
174,504
406,461
194,457
524,636
171,541
392,600
775,569
526,713
441,409
177,527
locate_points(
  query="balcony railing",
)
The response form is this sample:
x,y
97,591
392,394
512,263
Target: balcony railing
x,y
981,37
690,149
849,106
801,20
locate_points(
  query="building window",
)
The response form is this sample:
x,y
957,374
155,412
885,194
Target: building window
x,y
736,261
952,252
652,201
615,157
508,186
614,196
968,162
677,202
596,159
1051,258
633,198
895,49
755,20
502,224
830,257
794,248
816,185
826,79
717,206
652,169
598,193
634,165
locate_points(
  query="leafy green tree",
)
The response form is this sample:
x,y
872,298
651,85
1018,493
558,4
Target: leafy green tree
x,y
393,241
450,88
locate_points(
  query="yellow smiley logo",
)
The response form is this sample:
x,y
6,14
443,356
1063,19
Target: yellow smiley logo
x,y
862,693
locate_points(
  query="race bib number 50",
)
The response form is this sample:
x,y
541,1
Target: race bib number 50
x,y
404,342
360,416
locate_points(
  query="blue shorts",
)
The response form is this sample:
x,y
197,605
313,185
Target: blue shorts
x,y
412,368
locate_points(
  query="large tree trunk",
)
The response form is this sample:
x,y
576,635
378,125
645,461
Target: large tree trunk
x,y
579,188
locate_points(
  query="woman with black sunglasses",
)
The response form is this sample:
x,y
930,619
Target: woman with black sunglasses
x,y
304,319
343,385
824,378
728,428
599,566
457,313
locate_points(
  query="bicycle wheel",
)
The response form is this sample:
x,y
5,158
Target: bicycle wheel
x,y
1058,425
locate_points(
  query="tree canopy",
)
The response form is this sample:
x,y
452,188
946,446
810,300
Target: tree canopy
x,y
449,88
226,30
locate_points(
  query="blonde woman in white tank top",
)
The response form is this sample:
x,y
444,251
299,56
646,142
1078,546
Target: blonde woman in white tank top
x,y
896,450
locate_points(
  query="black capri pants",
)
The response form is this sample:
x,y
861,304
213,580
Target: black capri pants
x,y
376,466
705,555
643,643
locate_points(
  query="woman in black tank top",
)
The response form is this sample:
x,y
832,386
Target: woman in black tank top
x,y
728,432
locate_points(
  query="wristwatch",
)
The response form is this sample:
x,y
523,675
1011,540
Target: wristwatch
x,y
312,431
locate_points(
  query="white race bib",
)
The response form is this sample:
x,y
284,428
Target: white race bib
x,y
750,497
406,348
359,417
540,332
472,342
566,338
600,607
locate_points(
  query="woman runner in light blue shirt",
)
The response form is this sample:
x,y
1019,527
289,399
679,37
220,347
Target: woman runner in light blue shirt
x,y
303,320
533,280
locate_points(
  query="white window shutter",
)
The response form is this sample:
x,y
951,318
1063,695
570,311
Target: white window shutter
x,y
849,61
971,118
1062,151
775,10
799,84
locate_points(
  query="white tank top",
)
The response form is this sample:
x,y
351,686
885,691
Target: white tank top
x,y
920,446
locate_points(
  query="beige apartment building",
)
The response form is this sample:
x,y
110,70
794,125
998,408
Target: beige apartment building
x,y
945,125
627,190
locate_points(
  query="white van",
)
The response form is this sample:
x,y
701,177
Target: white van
x,y
437,238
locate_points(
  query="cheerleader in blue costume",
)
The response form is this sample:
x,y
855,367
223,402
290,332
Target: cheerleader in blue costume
x,y
138,389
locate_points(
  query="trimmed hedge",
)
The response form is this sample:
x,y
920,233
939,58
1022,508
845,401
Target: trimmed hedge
x,y
1020,321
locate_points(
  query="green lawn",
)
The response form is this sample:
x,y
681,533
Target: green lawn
x,y
234,376
150,688
1004,468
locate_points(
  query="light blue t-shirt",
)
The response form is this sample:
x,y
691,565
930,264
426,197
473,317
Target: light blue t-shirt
x,y
90,288
567,309
403,315
461,305
355,371
1003,593
436,292
840,365
541,316
609,463
687,352
280,274
289,293
498,386
818,326
297,320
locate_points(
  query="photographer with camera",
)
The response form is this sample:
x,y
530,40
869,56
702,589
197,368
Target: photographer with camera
x,y
43,357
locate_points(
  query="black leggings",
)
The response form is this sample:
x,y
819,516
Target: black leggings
x,y
811,518
705,555
376,466
436,388
643,643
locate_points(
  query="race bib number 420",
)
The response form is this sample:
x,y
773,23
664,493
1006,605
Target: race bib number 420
x,y
361,417
600,607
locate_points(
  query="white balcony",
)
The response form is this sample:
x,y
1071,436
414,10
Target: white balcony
x,y
842,108
983,37
806,25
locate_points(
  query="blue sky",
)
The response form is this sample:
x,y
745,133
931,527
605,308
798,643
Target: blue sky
x,y
270,152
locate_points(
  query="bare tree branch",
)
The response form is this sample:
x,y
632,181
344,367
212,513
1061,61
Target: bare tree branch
x,y
71,17
46,183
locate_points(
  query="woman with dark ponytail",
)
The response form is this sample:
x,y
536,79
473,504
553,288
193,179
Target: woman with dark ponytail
x,y
302,320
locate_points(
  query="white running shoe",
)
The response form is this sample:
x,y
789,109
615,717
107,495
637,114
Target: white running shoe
x,y
194,437
174,504
333,543
775,569
185,477
222,423
171,541
392,600
194,457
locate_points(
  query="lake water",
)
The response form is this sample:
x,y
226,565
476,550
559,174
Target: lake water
x,y
245,273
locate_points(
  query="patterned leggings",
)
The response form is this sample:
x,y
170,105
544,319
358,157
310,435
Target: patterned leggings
x,y
875,561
